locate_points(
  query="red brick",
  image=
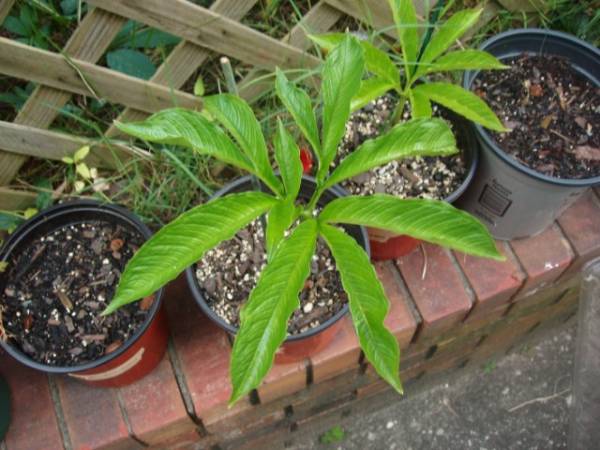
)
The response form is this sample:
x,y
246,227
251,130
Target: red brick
x,y
487,315
155,408
33,422
93,417
493,282
441,297
399,320
581,224
339,356
543,258
282,380
202,349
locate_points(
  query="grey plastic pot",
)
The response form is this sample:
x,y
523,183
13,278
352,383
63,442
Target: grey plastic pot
x,y
513,200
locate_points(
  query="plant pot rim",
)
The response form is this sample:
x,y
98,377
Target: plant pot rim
x,y
21,234
199,296
484,135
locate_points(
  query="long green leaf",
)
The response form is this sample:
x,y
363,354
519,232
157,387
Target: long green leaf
x,y
405,19
447,34
368,304
280,219
418,137
462,102
370,89
341,80
183,242
298,103
264,317
420,106
237,117
376,60
461,60
431,220
287,155
178,126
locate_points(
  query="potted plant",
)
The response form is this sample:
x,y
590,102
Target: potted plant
x,y
293,226
60,269
550,152
398,89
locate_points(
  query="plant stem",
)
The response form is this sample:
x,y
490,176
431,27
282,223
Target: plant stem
x,y
399,110
229,76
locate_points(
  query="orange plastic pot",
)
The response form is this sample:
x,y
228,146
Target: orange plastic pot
x,y
139,355
299,346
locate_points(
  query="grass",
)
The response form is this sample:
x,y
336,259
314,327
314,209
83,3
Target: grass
x,y
173,180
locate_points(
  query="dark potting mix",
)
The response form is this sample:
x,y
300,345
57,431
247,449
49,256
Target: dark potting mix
x,y
228,273
56,289
552,112
421,177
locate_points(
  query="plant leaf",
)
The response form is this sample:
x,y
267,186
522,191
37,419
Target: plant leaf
x,y
376,60
298,103
405,19
431,220
341,80
271,303
199,87
447,34
370,89
83,170
80,154
418,137
280,219
237,117
287,155
131,62
15,26
419,104
183,242
178,126
368,304
462,102
461,60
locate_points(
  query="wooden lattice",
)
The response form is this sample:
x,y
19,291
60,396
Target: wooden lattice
x,y
205,32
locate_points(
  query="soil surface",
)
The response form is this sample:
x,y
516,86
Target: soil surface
x,y
553,114
228,273
57,288
428,177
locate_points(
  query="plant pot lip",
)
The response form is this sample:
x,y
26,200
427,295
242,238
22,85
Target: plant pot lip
x,y
21,233
473,144
199,297
485,136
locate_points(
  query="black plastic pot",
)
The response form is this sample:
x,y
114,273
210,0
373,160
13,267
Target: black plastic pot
x,y
4,408
386,245
144,350
513,200
299,346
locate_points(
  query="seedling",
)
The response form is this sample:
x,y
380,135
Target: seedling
x,y
293,227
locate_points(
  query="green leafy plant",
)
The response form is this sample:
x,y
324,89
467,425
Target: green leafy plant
x,y
333,435
275,297
420,58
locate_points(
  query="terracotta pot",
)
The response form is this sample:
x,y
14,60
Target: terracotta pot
x,y
386,245
300,346
144,350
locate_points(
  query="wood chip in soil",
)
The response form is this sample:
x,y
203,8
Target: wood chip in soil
x,y
553,114
228,273
54,291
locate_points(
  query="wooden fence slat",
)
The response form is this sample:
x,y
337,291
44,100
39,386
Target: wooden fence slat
x,y
184,60
41,143
209,29
5,7
88,42
319,19
51,69
13,200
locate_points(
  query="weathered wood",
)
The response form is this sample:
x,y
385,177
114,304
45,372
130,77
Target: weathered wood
x,y
88,42
375,13
13,200
41,143
211,30
184,60
5,7
51,69
319,19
